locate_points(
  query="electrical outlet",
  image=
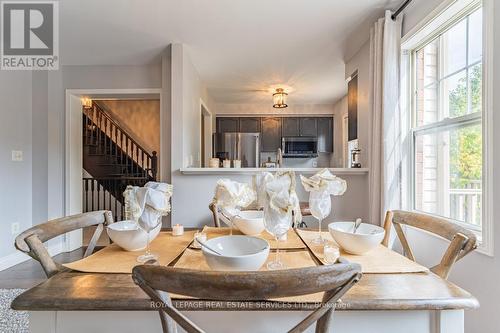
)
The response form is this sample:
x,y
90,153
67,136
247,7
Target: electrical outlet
x,y
315,164
14,228
17,155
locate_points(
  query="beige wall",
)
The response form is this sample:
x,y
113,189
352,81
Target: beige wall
x,y
140,118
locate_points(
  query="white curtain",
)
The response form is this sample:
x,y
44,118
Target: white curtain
x,y
385,152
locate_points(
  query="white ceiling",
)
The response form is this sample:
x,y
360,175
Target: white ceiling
x,y
239,47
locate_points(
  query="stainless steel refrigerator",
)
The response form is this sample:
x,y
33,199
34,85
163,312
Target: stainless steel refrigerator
x,y
238,146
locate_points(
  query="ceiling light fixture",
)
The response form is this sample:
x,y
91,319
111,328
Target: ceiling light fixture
x,y
86,103
279,99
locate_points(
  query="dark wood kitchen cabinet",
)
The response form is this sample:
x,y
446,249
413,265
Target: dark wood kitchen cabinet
x,y
325,134
271,134
291,126
250,124
227,124
273,128
308,126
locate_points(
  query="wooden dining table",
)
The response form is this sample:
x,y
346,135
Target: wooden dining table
x,y
78,302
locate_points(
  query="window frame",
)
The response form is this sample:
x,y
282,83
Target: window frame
x,y
429,29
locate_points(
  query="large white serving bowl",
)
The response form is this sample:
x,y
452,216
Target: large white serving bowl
x,y
250,222
129,236
367,237
239,253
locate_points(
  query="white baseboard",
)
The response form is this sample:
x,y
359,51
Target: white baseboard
x,y
19,257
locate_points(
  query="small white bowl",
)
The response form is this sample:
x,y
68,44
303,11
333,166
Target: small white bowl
x,y
239,253
129,236
365,239
250,222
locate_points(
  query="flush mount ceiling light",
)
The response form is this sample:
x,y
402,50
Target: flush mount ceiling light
x,y
279,99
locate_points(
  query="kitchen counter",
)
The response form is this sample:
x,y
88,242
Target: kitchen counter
x,y
250,171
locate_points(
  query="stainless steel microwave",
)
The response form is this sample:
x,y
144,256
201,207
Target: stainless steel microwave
x,y
299,146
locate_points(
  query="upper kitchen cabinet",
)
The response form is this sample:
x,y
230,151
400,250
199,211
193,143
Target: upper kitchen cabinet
x,y
227,124
325,134
308,126
250,124
271,134
291,126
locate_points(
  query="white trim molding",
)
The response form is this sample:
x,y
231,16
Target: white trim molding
x,y
442,17
488,143
19,257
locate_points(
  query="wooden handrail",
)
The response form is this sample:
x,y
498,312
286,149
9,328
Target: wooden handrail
x,y
112,121
116,137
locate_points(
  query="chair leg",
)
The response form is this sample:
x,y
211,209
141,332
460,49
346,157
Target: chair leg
x,y
323,315
167,323
168,314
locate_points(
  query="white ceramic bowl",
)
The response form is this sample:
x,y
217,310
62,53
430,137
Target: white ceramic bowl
x,y
239,253
366,238
129,236
250,222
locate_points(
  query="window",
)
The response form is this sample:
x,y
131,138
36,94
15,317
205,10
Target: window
x,y
447,163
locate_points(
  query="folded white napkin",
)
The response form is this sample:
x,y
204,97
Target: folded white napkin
x,y
149,203
232,195
277,192
324,181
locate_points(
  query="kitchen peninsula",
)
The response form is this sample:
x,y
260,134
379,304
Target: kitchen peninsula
x,y
251,171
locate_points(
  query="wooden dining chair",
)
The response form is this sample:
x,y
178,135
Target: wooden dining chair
x,y
216,214
335,280
31,241
462,240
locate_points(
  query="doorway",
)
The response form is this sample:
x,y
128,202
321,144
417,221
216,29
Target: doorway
x,y
74,187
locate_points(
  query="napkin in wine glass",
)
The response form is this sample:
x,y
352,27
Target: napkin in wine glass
x,y
277,192
324,181
149,203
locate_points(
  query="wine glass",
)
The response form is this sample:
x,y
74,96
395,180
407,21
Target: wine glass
x,y
277,224
229,214
148,226
320,205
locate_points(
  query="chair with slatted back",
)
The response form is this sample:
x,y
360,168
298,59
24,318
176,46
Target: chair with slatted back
x,y
335,280
217,215
462,240
31,241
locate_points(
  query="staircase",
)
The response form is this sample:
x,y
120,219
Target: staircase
x,y
114,160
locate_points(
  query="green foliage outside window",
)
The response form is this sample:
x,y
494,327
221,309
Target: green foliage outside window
x,y
466,143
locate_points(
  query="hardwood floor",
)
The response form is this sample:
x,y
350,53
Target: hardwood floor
x,y
29,273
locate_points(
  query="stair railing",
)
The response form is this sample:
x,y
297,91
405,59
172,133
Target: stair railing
x,y
111,139
107,193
